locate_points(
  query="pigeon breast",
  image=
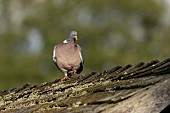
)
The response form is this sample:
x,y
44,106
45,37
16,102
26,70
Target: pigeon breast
x,y
68,56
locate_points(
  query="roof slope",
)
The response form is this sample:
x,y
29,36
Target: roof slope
x,y
123,89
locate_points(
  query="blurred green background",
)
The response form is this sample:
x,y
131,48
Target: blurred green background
x,y
111,32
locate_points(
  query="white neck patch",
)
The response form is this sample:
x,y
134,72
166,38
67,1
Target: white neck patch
x,y
65,41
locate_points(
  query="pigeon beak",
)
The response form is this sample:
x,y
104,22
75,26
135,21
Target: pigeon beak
x,y
75,37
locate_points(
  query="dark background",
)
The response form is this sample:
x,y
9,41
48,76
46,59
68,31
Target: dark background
x,y
110,32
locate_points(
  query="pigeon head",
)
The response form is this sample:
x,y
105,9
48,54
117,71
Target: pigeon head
x,y
72,37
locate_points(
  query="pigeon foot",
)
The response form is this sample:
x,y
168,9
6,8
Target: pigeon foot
x,y
66,78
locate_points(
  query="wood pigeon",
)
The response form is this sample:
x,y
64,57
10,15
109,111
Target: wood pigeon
x,y
68,56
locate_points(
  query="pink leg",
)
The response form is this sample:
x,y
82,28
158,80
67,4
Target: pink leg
x,y
65,77
74,71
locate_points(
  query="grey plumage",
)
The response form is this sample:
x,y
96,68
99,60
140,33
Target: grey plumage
x,y
68,57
